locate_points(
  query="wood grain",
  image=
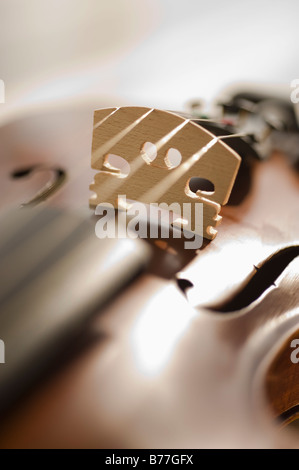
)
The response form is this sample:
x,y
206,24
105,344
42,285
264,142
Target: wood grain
x,y
124,131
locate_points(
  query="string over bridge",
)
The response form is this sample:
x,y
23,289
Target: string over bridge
x,y
160,153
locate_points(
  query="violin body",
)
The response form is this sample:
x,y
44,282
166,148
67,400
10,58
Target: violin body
x,y
196,351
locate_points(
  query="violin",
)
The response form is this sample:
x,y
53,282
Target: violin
x,y
179,348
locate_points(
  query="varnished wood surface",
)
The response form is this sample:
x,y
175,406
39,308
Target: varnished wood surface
x,y
282,382
157,368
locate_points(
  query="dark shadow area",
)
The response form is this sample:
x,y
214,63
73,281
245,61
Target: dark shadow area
x,y
264,277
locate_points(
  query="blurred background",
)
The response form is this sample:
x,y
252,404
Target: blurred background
x,y
150,52
156,53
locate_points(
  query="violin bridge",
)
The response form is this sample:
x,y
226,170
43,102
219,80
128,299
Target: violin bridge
x,y
156,157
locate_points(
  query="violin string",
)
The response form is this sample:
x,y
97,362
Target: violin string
x,y
109,187
99,123
117,179
102,151
104,148
135,123
155,193
76,170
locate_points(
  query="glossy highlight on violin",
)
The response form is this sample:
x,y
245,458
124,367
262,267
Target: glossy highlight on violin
x,y
149,229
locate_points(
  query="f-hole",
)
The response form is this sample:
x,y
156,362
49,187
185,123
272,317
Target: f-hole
x,y
55,182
